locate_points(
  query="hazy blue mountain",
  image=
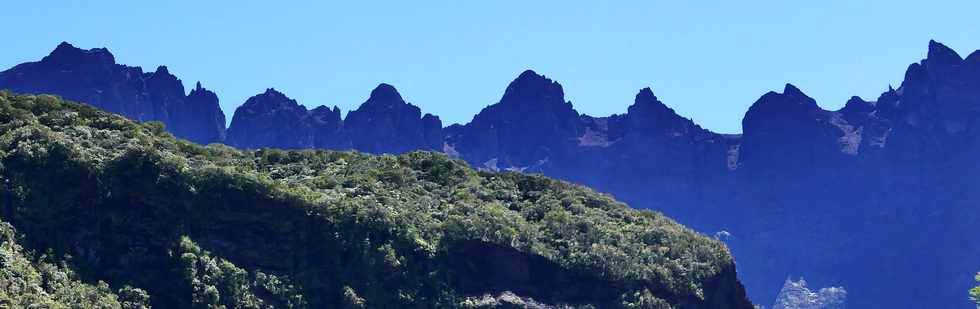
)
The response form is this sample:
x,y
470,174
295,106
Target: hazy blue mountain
x,y
92,76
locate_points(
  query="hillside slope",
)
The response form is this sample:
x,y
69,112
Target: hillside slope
x,y
189,226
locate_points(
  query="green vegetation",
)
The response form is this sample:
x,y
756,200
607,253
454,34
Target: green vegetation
x,y
975,292
211,278
149,218
41,283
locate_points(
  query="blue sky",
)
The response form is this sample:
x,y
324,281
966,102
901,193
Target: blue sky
x,y
707,59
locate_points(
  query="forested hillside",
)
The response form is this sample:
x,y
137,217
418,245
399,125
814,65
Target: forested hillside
x,y
101,211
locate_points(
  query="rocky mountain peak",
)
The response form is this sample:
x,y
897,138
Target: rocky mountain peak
x,y
780,130
272,92
385,123
269,100
162,70
942,55
646,95
69,55
385,94
792,90
646,99
201,91
200,116
791,101
92,76
532,88
323,114
648,114
270,119
857,105
973,58
164,84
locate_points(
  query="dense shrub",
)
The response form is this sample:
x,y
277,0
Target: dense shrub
x,y
28,281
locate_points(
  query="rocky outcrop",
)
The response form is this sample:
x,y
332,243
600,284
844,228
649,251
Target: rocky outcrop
x,y
796,295
783,131
92,76
271,119
385,123
201,116
530,127
328,128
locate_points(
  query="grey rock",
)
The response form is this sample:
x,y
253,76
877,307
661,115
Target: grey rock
x,y
796,295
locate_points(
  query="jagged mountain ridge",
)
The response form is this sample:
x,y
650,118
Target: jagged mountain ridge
x,y
92,76
385,123
800,186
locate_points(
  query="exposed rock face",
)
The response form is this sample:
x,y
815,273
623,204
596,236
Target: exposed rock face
x,y
530,127
328,128
92,76
654,134
201,117
869,189
385,123
796,295
271,119
773,128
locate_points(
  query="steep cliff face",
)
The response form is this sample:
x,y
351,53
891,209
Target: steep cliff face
x,y
385,123
786,131
659,148
529,128
328,128
271,119
859,190
201,116
92,76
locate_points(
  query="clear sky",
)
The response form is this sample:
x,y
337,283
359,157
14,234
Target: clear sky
x,y
708,59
